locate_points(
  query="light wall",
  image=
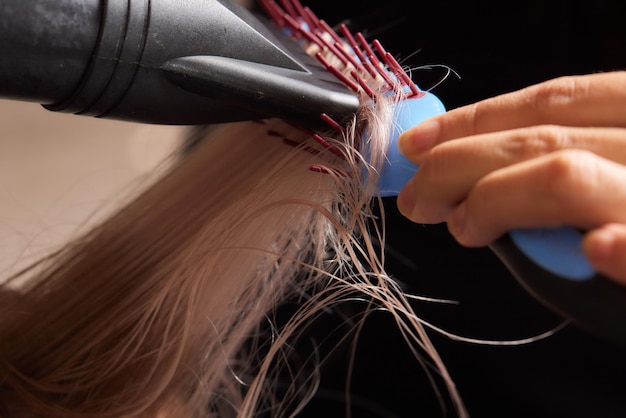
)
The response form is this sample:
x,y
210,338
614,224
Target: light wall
x,y
60,172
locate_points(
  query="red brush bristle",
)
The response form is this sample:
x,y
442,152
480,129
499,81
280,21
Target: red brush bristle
x,y
366,88
330,31
291,142
327,170
372,68
273,11
332,123
320,140
289,7
334,71
367,70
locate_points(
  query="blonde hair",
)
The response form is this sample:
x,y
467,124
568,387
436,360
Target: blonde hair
x,y
157,311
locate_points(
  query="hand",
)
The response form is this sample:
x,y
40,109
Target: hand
x,y
549,155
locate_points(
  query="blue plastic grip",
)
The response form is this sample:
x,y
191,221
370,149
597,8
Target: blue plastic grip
x,y
397,169
558,250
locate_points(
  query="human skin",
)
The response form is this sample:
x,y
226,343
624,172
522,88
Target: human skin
x,y
548,155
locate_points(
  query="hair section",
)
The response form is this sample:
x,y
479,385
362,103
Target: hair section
x,y
161,310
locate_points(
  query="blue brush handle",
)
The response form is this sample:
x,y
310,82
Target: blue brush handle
x,y
549,263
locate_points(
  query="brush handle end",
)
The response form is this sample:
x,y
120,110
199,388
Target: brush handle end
x,y
550,265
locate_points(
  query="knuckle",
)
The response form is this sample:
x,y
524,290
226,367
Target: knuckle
x,y
572,176
539,141
559,92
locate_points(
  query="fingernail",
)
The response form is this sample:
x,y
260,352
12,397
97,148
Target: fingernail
x,y
406,200
419,139
458,220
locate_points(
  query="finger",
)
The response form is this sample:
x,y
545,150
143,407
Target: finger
x,y
450,170
571,187
605,248
590,100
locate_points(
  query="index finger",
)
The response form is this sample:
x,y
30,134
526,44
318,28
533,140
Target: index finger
x,y
589,100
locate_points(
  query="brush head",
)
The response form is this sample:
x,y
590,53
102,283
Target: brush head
x,y
397,170
370,72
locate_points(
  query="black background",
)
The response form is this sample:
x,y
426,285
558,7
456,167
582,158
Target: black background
x,y
494,47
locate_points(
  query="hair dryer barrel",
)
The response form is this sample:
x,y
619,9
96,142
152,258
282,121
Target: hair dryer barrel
x,y
161,61
45,47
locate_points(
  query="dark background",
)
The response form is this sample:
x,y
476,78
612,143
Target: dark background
x,y
494,47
